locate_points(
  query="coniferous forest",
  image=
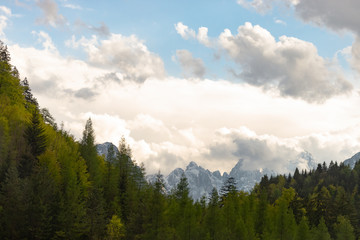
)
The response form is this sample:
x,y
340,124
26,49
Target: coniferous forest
x,y
54,187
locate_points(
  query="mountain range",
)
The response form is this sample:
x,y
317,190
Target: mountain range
x,y
202,181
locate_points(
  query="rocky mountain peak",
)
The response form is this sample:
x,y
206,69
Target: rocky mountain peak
x,y
352,161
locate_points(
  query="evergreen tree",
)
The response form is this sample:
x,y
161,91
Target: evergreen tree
x,y
30,99
213,216
4,53
229,188
303,231
36,140
13,206
48,118
95,204
35,135
321,232
115,229
344,230
155,225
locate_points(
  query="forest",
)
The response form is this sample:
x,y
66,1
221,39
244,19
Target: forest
x,y
55,187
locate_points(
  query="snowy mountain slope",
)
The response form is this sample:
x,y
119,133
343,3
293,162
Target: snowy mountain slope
x,y
351,161
202,181
102,149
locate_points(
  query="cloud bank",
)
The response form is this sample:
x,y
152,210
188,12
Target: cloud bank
x,y
191,66
166,129
290,65
126,55
338,16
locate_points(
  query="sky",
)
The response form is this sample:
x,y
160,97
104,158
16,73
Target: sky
x,y
206,81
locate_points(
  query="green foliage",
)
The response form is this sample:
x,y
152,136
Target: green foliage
x,y
344,230
52,187
115,229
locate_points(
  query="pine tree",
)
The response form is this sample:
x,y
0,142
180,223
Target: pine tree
x,y
229,188
35,135
321,232
13,202
344,230
115,229
30,99
4,53
155,224
303,231
36,140
95,204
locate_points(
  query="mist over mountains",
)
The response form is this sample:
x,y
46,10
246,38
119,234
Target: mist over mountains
x,y
202,181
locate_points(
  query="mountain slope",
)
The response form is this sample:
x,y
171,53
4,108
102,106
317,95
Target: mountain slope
x,y
351,161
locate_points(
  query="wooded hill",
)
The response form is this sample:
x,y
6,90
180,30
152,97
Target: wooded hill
x,y
53,187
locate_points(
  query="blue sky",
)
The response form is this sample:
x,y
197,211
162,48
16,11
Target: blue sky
x,y
196,80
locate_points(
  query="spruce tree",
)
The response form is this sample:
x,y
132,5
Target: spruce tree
x,y
36,140
344,229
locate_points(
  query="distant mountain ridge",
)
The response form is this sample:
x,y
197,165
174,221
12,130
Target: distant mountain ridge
x,y
102,149
351,161
202,181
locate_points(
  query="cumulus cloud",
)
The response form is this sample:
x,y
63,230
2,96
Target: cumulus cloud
x,y
5,13
355,54
290,65
336,15
191,66
187,33
254,150
51,16
164,127
127,55
45,40
184,31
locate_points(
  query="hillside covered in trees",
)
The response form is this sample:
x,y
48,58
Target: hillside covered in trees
x,y
54,187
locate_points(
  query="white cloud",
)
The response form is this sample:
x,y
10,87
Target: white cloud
x,y
187,33
73,6
5,13
5,10
355,54
184,31
278,21
191,66
260,5
263,6
127,55
170,122
51,16
336,15
290,65
45,40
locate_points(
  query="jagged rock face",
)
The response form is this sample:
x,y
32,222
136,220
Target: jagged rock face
x,y
246,179
304,161
202,181
351,161
102,149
